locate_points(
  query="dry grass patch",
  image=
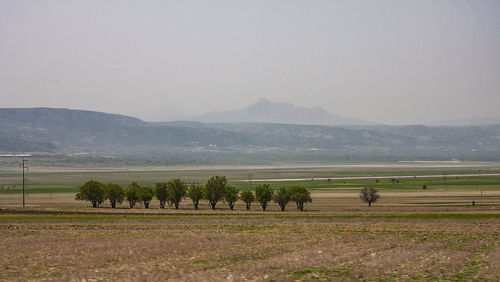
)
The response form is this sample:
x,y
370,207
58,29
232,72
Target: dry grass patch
x,y
266,248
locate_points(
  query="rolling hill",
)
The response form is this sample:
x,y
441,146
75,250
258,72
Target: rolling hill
x,y
63,131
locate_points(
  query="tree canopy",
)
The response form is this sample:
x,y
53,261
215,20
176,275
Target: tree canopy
x,y
176,191
231,196
92,191
282,197
369,195
131,194
215,189
300,196
145,194
195,192
161,193
115,194
264,195
248,197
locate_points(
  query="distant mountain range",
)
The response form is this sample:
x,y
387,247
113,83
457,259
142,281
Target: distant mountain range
x,y
276,112
63,131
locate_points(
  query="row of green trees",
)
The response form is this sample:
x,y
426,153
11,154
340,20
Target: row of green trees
x,y
172,192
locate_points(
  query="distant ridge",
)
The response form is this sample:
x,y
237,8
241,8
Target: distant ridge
x,y
468,121
63,131
265,111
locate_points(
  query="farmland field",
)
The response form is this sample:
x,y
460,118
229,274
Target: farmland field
x,y
409,234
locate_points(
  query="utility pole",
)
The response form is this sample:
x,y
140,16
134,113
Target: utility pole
x,y
24,165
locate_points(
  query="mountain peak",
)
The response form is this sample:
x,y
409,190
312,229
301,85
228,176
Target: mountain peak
x,y
268,111
263,101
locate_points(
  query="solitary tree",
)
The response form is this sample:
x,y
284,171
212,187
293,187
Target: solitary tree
x,y
248,197
300,196
195,192
131,194
215,189
115,194
176,191
282,197
145,194
369,195
92,191
231,196
264,195
161,193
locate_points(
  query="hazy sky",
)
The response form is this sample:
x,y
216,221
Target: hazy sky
x,y
393,62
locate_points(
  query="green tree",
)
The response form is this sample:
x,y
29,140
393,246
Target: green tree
x,y
264,195
145,194
161,193
369,195
248,197
115,194
282,197
300,196
131,194
176,191
92,191
195,192
215,189
231,196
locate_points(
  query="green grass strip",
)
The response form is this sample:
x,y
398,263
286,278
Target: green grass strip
x,y
229,217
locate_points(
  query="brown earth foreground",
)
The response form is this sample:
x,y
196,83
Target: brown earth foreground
x,y
43,245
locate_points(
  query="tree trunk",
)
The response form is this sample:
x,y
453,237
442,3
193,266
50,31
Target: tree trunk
x,y
146,204
248,206
176,205
195,204
132,204
113,205
94,204
369,203
264,207
282,207
162,204
212,203
231,206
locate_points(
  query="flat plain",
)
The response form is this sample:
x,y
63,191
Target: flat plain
x,y
411,233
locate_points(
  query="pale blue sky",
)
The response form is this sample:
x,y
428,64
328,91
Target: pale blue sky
x,y
395,62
